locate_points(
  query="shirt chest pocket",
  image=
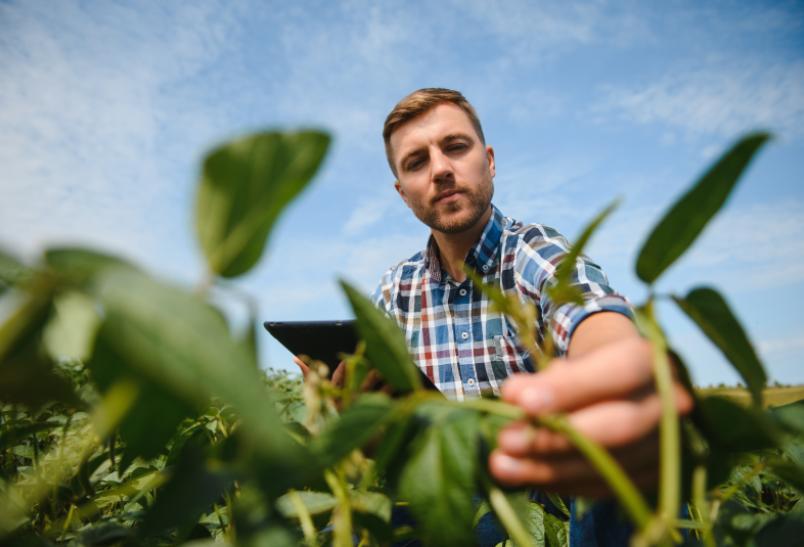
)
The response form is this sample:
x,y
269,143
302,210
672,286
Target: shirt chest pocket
x,y
507,357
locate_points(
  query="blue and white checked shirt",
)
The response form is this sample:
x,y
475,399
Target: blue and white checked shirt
x,y
464,347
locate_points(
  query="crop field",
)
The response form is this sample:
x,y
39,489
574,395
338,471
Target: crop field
x,y
772,396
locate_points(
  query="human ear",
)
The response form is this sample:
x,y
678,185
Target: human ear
x,y
490,158
401,192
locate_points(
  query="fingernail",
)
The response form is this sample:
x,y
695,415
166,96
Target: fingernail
x,y
506,464
535,399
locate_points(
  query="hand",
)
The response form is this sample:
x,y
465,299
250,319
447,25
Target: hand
x,y
608,396
372,382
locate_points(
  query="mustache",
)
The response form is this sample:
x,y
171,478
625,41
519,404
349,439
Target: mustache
x,y
452,189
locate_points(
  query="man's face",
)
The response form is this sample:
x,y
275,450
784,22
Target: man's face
x,y
445,173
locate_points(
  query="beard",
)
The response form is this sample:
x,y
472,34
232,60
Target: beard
x,y
448,219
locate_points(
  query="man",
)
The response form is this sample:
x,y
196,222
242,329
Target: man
x,y
602,379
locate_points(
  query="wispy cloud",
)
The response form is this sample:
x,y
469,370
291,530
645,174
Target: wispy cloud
x,y
82,113
717,98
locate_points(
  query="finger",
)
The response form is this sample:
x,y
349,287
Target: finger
x,y
612,371
610,424
573,472
372,382
305,370
646,481
338,375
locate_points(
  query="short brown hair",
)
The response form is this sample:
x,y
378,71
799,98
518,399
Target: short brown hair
x,y
419,102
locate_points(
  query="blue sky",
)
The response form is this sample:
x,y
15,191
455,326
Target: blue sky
x,y
106,108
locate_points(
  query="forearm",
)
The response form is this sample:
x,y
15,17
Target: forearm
x,y
598,330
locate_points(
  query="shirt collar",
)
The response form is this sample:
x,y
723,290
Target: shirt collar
x,y
481,257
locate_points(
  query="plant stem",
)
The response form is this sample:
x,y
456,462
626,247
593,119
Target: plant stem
x,y
669,429
342,514
508,517
305,519
628,494
630,497
699,505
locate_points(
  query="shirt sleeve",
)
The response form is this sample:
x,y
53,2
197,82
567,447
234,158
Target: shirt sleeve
x,y
541,261
381,296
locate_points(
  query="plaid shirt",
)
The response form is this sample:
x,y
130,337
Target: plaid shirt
x,y
464,347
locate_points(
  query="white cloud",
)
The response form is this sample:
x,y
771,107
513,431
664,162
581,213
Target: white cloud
x,y
721,98
368,213
82,113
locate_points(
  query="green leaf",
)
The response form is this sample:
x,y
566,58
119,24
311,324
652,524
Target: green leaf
x,y
244,187
70,332
27,375
731,427
688,216
707,308
316,503
386,347
561,291
353,428
191,490
80,265
156,413
439,479
174,339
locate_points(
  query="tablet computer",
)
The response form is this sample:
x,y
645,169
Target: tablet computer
x,y
319,340
323,341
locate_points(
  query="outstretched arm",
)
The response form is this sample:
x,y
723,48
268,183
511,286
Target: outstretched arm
x,y
605,387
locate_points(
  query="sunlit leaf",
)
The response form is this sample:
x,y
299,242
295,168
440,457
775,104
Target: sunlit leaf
x,y
71,330
439,480
688,216
386,347
80,265
707,308
244,187
27,375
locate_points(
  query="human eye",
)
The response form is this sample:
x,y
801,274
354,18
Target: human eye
x,y
457,146
414,163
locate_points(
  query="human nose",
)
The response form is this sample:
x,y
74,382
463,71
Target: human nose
x,y
441,167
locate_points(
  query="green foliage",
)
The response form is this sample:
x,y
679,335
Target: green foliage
x,y
130,413
688,216
245,186
712,314
444,454
385,344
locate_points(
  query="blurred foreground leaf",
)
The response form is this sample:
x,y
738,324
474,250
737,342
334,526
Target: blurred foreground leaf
x,y
709,310
245,185
174,339
386,347
688,216
12,271
27,375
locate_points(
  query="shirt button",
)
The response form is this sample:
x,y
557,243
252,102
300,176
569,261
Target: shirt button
x,y
470,382
485,267
464,335
462,292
